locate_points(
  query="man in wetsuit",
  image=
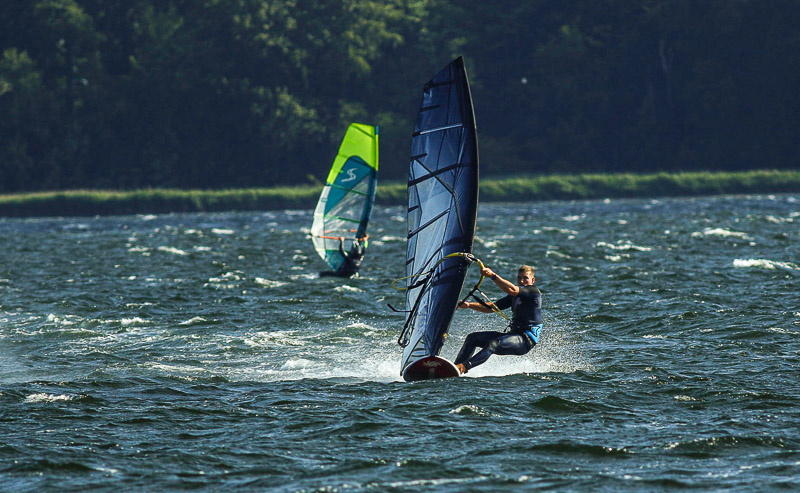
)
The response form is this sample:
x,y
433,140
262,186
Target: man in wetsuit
x,y
525,301
352,259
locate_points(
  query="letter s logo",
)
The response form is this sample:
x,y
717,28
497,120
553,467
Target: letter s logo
x,y
351,175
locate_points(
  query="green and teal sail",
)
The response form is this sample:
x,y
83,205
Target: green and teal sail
x,y
345,205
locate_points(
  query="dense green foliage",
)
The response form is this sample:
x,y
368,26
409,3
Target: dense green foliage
x,y
519,189
232,93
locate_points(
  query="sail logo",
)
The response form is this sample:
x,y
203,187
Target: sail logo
x,y
351,175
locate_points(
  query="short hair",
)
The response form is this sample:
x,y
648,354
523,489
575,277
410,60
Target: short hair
x,y
527,268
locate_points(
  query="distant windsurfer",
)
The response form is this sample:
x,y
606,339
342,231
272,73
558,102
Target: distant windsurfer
x,y
352,259
525,301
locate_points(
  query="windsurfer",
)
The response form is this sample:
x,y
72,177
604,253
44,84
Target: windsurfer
x,y
525,301
352,259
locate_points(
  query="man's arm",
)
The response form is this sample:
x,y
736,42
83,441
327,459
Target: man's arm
x,y
475,306
508,287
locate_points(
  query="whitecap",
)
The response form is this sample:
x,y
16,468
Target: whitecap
x,y
347,289
193,320
779,220
220,231
172,250
228,276
361,325
305,275
139,305
269,283
219,285
764,264
722,232
127,322
270,339
202,249
175,368
42,397
470,409
298,364
628,246
422,484
557,230
65,320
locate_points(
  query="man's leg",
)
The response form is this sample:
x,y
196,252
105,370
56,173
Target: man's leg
x,y
473,341
505,344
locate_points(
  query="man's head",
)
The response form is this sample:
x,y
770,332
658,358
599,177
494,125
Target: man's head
x,y
525,276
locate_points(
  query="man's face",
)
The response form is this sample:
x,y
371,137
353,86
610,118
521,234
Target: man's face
x,y
524,278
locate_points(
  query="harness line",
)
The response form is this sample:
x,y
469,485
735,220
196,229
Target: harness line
x,y
425,278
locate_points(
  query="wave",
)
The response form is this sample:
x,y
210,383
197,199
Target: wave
x,y
569,447
269,283
42,397
344,288
471,410
721,232
173,250
765,264
555,404
626,246
711,446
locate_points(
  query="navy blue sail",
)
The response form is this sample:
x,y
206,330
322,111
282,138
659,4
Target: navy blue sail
x,y
442,210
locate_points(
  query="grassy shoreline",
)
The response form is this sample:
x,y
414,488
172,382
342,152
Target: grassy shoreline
x,y
513,189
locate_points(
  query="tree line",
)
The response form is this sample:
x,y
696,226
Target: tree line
x,y
230,93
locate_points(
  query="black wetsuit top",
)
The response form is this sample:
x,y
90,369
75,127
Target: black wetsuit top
x,y
352,260
526,308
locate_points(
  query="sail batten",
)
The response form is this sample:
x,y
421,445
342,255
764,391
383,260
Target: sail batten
x,y
442,208
345,219
440,129
348,195
412,233
433,174
349,190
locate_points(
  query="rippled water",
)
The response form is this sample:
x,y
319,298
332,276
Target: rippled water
x,y
202,351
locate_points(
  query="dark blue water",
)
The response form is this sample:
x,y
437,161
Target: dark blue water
x,y
201,351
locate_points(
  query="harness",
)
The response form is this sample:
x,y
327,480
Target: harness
x,y
531,332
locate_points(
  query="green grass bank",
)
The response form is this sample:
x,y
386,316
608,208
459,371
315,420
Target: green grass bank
x,y
512,189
